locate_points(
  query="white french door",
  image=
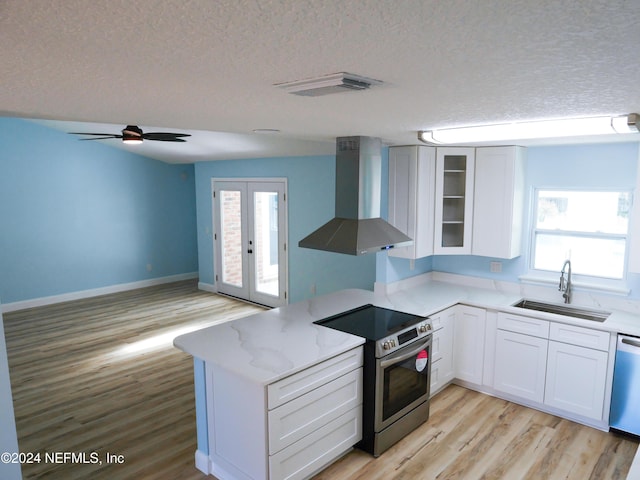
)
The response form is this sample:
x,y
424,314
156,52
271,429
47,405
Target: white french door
x,y
250,239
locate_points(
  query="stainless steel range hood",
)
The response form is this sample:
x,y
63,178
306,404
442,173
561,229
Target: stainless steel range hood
x,y
357,227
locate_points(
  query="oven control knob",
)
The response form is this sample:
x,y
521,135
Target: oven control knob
x,y
386,345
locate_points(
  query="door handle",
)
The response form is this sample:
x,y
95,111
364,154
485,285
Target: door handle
x,y
390,361
633,343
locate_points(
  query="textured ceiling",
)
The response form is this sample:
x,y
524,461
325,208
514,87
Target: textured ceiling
x,y
210,66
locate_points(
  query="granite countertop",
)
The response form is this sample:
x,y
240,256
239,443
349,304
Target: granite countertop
x,y
271,345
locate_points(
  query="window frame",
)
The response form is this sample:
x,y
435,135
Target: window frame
x,y
584,279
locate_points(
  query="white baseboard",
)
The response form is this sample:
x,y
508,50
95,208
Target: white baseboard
x,y
94,292
207,287
202,462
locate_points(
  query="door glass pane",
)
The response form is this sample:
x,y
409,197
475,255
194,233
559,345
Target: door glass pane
x,y
266,242
231,226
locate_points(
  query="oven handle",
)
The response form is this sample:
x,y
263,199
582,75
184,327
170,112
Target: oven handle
x,y
390,361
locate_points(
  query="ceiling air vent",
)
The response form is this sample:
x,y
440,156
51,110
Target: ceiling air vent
x,y
328,84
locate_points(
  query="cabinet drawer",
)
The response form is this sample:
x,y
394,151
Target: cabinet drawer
x,y
436,322
302,382
303,415
318,449
584,337
525,325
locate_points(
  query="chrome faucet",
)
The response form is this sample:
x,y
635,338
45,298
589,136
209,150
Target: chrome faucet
x,y
565,285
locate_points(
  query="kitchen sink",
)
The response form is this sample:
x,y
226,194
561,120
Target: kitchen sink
x,y
583,313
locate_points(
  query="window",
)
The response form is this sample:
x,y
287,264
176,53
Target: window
x,y
588,227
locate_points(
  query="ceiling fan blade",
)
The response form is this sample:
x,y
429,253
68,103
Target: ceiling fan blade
x,y
166,139
102,138
99,134
164,136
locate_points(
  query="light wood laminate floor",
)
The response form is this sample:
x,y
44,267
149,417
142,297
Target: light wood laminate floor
x,y
101,375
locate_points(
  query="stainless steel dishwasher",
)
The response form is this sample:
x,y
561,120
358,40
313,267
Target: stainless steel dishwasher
x,y
625,397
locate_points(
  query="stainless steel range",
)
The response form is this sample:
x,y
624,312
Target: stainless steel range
x,y
397,372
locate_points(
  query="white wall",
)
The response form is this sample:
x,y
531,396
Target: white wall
x,y
8,437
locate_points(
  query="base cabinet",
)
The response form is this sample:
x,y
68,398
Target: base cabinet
x,y
442,371
469,343
563,369
306,456
576,379
286,430
520,365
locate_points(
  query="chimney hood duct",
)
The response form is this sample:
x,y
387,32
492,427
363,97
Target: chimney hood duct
x,y
357,227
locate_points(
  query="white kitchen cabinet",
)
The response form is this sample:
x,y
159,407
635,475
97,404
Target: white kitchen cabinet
x,y
468,341
577,375
442,371
301,416
454,200
521,356
560,368
288,429
498,202
412,171
520,365
306,456
535,327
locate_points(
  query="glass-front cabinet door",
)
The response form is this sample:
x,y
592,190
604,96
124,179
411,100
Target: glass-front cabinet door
x,y
454,200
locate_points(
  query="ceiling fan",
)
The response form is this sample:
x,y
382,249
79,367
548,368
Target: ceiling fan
x,y
133,134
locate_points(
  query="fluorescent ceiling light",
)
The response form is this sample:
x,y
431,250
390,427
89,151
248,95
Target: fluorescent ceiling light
x,y
571,127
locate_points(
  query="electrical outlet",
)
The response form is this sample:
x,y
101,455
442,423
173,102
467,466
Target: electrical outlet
x,y
496,267
149,267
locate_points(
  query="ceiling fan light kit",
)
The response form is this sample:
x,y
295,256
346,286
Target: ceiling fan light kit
x,y
132,135
568,127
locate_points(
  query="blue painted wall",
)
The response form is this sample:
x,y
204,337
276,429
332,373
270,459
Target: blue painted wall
x,y
594,166
311,203
78,215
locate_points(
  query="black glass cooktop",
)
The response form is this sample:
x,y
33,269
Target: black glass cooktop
x,y
372,323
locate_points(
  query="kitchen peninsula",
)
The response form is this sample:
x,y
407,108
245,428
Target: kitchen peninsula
x,y
248,360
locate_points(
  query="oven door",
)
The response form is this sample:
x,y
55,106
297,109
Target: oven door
x,y
402,382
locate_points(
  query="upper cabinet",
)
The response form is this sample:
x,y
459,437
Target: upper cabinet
x,y
498,202
411,198
457,200
454,200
